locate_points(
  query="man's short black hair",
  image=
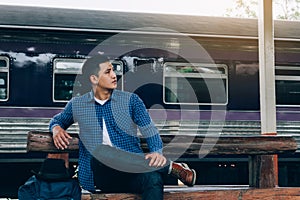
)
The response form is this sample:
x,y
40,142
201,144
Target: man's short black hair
x,y
91,65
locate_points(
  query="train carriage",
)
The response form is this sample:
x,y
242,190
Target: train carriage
x,y
196,75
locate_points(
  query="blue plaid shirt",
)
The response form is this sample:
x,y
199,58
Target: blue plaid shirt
x,y
123,113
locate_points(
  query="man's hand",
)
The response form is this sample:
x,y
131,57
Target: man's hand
x,y
61,138
156,159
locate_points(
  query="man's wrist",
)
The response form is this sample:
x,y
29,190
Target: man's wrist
x,y
54,129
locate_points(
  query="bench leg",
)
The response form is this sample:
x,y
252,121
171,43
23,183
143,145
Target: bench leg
x,y
263,171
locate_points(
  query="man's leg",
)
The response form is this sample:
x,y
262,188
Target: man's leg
x,y
149,185
107,179
122,160
136,163
152,186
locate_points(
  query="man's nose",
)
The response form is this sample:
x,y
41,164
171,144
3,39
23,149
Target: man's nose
x,y
113,74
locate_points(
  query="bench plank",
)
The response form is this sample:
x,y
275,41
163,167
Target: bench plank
x,y
187,145
43,142
228,145
212,193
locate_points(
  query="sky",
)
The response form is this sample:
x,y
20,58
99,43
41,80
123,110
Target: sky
x,y
190,7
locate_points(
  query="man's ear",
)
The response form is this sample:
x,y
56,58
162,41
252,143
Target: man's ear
x,y
94,79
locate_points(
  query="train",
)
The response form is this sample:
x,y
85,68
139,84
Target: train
x,y
195,74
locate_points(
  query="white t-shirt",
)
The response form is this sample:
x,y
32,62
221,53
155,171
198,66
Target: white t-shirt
x,y
105,140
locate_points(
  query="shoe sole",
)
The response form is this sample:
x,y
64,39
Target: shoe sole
x,y
194,178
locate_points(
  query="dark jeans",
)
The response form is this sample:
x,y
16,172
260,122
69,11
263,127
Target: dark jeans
x,y
119,171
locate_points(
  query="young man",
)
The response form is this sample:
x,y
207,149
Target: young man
x,y
110,155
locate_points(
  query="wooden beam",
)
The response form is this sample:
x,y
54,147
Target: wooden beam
x,y
228,145
199,145
43,142
202,193
261,171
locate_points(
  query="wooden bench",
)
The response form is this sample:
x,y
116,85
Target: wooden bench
x,y
259,148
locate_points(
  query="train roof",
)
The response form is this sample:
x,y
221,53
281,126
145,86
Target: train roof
x,y
92,20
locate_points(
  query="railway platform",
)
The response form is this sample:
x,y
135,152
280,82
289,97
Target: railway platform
x,y
205,192
211,192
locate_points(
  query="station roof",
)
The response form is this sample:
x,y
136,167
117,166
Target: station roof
x,y
39,17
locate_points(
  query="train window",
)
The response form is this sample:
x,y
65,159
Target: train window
x,y
64,77
197,83
3,63
4,77
287,85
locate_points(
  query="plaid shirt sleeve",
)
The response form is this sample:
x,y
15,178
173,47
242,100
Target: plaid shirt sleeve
x,y
145,124
63,119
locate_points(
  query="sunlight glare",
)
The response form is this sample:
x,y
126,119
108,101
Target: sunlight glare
x,y
187,7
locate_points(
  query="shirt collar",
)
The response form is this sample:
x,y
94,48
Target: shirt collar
x,y
113,96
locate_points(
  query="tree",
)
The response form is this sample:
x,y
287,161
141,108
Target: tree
x,y
290,9
283,9
243,9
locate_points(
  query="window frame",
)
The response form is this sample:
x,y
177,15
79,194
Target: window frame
x,y
286,77
6,70
57,60
223,76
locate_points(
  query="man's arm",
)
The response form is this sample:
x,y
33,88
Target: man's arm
x,y
144,122
58,125
150,132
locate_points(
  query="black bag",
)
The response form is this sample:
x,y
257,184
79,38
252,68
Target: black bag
x,y
53,182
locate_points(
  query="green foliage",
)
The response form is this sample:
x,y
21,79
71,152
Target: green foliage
x,y
243,9
284,9
290,9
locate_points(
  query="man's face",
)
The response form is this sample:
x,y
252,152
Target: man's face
x,y
107,78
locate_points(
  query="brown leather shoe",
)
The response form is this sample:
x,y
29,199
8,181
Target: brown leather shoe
x,y
183,173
